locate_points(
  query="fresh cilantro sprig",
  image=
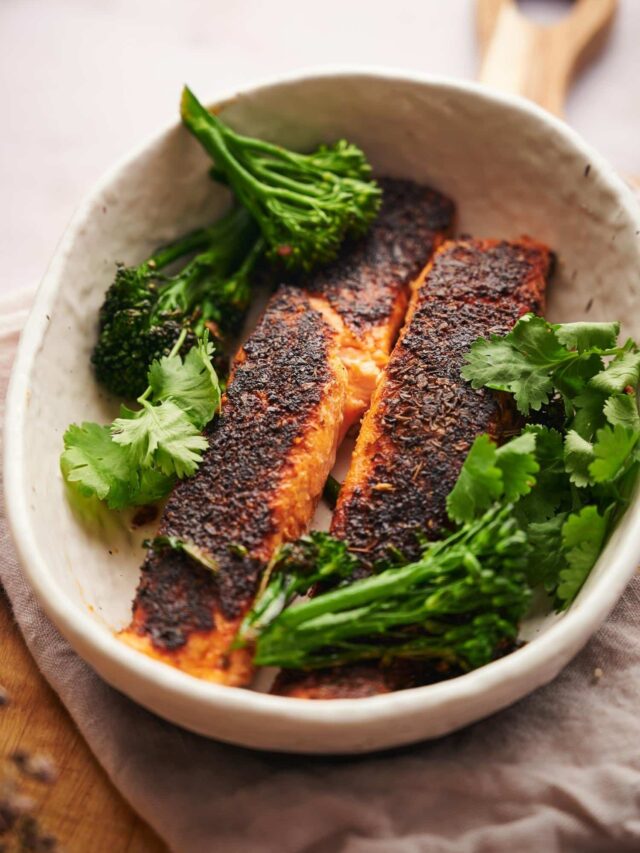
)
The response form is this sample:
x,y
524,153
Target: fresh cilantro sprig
x,y
136,459
491,473
583,536
96,467
586,476
565,527
538,360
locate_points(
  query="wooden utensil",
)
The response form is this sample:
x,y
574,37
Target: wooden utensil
x,y
538,61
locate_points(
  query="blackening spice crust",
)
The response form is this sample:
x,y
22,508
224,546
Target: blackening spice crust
x,y
425,417
276,386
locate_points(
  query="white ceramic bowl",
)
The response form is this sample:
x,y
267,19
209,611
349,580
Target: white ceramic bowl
x,y
512,169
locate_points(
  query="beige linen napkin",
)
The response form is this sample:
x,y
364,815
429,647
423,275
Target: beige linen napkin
x,y
558,771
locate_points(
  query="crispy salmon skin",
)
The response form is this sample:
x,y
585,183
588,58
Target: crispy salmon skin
x,y
422,421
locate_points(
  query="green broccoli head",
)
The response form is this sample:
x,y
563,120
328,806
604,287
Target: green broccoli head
x,y
145,311
131,333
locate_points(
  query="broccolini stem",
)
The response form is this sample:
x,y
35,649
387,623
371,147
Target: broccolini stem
x,y
201,238
412,611
182,246
289,187
227,242
210,132
252,258
392,581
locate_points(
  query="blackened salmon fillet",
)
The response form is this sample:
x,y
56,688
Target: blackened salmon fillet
x,y
422,421
303,377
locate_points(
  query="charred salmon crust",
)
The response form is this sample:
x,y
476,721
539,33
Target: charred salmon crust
x,y
269,454
422,420
365,291
424,417
305,374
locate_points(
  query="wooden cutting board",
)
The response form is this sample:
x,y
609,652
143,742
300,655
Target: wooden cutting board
x,y
81,808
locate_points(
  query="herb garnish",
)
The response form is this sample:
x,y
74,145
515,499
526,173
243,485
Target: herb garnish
x,y
137,458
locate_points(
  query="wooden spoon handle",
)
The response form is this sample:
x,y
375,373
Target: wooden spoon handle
x,y
537,61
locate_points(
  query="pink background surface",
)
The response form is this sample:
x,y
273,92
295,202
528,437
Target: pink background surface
x,y
83,81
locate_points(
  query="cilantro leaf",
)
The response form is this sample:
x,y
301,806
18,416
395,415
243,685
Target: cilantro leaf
x,y
161,435
94,464
612,448
589,412
578,456
498,365
584,336
622,409
490,473
516,459
192,384
494,363
571,379
519,362
550,491
537,339
150,486
546,556
623,371
583,536
98,467
479,483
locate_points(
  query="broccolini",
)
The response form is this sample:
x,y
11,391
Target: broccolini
x,y
305,204
461,603
145,310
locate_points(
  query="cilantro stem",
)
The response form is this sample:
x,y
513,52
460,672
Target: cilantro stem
x,y
175,349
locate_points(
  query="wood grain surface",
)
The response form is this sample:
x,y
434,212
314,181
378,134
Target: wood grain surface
x,y
81,808
539,62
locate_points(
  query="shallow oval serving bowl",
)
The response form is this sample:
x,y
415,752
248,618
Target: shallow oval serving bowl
x,y
512,169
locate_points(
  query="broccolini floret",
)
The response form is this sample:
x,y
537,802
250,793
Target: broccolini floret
x,y
145,310
305,204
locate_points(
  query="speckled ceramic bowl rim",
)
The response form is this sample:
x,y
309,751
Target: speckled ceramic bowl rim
x,y
91,640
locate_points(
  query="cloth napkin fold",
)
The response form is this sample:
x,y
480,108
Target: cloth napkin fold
x,y
558,771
